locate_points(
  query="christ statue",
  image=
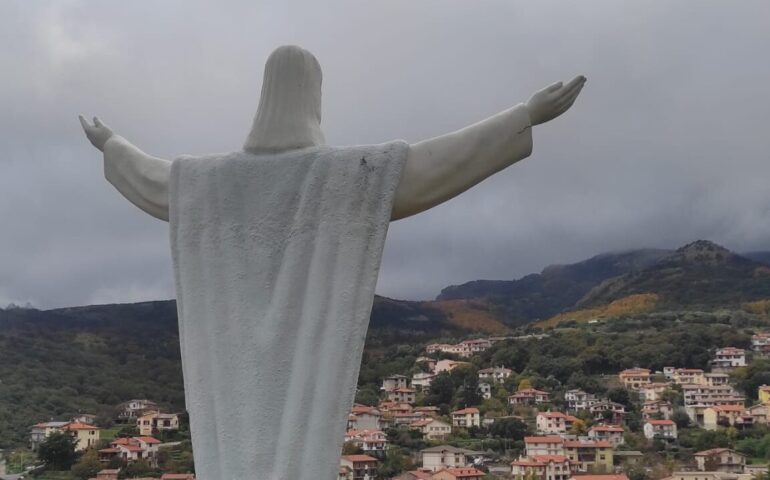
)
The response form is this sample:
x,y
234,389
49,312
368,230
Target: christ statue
x,y
276,250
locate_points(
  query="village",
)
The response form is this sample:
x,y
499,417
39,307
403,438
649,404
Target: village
x,y
575,435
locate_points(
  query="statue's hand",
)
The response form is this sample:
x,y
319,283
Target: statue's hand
x,y
98,133
554,100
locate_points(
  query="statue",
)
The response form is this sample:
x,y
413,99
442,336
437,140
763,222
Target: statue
x,y
276,250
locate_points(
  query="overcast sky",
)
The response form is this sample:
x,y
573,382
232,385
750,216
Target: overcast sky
x,y
668,142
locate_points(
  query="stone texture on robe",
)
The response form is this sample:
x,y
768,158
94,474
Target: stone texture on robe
x,y
275,260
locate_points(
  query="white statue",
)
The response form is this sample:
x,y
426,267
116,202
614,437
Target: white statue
x,y
276,251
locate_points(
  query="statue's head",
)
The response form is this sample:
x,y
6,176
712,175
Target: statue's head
x,y
289,114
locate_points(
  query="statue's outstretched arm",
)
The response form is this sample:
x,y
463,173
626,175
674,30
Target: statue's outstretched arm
x,y
443,167
141,178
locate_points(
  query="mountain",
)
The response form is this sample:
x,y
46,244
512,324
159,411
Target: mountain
x,y
699,275
761,257
556,288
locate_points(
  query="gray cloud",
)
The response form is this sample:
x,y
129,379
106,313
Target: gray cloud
x,y
668,142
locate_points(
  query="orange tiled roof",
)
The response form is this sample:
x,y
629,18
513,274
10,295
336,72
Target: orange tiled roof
x,y
544,439
359,458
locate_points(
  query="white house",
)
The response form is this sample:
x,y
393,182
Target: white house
x,y
554,422
447,456
467,417
664,429
729,357
495,374
432,428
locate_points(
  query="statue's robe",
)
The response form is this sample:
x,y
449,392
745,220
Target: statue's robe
x,y
275,260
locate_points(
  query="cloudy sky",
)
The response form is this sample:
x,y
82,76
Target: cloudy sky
x,y
668,142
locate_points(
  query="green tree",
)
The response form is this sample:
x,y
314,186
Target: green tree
x,y
88,465
58,451
681,418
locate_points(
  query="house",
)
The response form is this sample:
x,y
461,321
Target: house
x,y
709,396
107,474
133,408
614,434
579,400
467,417
652,391
131,449
624,458
85,435
714,379
726,416
609,476
422,380
554,422
402,395
633,378
86,418
689,376
495,374
728,358
364,417
177,476
543,445
764,394
696,475
429,362
720,460
362,467
485,390
394,382
657,409
759,413
447,456
151,422
469,348
447,365
606,411
760,342
428,410
39,432
663,429
415,475
468,473
432,428
542,467
589,455
370,441
439,347
529,396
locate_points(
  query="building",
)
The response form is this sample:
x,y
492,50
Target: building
x,y
542,467
663,429
370,441
485,390
543,445
131,449
726,416
432,428
447,365
402,395
709,396
764,394
689,376
529,396
361,467
652,392
715,379
657,409
614,434
133,408
554,422
589,455
152,422
468,473
495,374
85,435
720,460
696,475
728,358
579,400
422,380
39,432
469,348
633,378
609,412
394,382
447,456
760,342
609,476
364,417
467,417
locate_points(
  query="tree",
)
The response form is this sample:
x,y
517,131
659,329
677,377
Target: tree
x,y
58,451
524,384
441,390
681,418
88,465
350,448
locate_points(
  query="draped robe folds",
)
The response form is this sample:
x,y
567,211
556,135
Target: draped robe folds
x,y
276,259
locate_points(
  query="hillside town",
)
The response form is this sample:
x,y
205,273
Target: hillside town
x,y
630,432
